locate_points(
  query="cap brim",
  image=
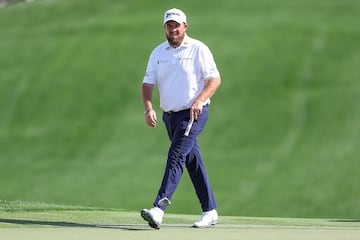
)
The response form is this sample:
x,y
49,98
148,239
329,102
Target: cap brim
x,y
178,20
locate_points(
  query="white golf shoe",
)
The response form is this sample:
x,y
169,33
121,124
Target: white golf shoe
x,y
207,219
153,216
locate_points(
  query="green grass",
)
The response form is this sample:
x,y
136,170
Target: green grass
x,y
29,220
283,135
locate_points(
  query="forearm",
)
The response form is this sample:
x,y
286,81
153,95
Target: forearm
x,y
146,92
209,90
150,114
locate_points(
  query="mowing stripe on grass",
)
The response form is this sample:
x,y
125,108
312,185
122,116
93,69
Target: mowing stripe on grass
x,y
178,232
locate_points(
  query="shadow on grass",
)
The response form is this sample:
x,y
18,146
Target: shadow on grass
x,y
346,220
128,227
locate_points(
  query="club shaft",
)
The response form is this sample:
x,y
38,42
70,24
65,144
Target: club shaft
x,y
188,127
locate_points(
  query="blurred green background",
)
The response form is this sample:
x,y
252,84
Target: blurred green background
x,y
284,130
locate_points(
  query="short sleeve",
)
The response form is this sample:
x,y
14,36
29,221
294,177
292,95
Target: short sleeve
x,y
209,68
150,73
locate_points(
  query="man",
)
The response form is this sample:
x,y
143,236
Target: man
x,y
185,73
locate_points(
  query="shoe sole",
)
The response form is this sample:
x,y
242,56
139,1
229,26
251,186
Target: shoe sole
x,y
206,226
149,218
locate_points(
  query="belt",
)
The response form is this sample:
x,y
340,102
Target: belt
x,y
181,111
173,112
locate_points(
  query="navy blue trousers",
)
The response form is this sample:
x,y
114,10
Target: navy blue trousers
x,y
185,151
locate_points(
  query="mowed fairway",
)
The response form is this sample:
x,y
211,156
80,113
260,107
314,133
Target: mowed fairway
x,y
175,232
28,221
282,140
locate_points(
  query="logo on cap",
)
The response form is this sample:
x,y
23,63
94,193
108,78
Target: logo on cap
x,y
172,13
175,15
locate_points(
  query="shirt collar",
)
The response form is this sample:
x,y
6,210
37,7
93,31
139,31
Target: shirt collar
x,y
184,43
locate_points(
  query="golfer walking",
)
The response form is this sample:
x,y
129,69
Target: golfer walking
x,y
185,73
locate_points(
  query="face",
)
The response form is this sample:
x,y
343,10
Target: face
x,y
175,32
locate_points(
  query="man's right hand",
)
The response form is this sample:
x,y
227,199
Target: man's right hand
x,y
150,117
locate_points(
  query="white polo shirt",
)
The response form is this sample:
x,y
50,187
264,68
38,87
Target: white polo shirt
x,y
180,74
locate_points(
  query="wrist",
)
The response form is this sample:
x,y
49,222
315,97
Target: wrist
x,y
147,110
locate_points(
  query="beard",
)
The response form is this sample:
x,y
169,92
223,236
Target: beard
x,y
174,39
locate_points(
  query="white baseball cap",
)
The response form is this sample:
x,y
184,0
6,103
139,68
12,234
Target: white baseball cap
x,y
176,15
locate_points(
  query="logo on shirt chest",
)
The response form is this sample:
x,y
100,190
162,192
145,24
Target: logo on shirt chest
x,y
186,58
174,60
160,61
